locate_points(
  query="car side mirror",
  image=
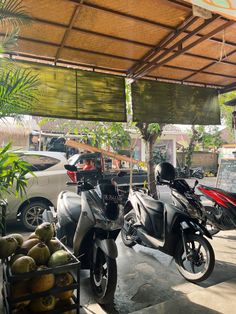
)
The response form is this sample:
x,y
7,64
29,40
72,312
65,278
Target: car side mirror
x,y
70,168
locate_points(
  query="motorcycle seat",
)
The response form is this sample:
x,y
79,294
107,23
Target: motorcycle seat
x,y
72,205
151,203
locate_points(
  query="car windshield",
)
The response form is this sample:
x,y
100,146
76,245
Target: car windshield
x,y
39,162
72,160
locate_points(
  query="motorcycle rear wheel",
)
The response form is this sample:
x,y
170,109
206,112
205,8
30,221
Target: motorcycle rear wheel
x,y
213,230
199,175
103,277
126,237
199,262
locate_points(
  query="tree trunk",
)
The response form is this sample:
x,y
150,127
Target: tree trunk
x,y
191,147
150,168
150,137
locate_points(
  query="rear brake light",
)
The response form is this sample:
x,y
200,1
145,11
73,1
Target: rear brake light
x,y
72,175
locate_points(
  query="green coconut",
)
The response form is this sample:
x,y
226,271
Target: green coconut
x,y
40,253
45,231
8,246
19,238
64,280
20,289
28,244
15,257
53,245
43,304
59,258
23,264
43,282
32,236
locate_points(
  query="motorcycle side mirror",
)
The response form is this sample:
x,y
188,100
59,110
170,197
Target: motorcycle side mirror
x,y
121,174
70,168
195,184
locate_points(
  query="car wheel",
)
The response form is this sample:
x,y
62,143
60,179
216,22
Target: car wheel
x,y
31,215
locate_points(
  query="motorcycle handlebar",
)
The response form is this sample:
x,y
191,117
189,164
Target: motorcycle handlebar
x,y
73,183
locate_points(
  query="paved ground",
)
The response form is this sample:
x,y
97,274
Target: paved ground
x,y
146,278
148,282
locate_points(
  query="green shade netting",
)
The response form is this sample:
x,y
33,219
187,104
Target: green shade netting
x,y
82,95
173,103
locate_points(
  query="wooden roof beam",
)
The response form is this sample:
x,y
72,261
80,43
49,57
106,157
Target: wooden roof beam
x,y
192,83
68,29
177,45
37,41
125,40
171,36
194,70
153,64
76,65
228,88
181,4
209,65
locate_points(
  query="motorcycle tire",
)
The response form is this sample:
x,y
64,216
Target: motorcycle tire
x,y
125,236
190,266
213,230
103,278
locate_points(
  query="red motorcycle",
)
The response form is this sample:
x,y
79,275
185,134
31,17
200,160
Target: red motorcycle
x,y
223,214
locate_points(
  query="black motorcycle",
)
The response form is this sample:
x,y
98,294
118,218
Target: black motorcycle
x,y
184,197
167,228
186,172
90,221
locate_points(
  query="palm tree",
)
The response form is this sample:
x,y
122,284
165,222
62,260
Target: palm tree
x,y
18,87
18,92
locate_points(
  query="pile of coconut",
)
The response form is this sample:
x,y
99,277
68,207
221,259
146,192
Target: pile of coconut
x,y
36,253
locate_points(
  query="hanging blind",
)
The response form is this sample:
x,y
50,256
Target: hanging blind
x,y
82,95
173,103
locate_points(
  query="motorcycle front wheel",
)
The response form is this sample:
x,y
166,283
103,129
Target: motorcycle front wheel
x,y
198,262
103,277
127,236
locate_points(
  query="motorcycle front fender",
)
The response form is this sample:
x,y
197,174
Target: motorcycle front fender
x,y
108,246
85,224
195,226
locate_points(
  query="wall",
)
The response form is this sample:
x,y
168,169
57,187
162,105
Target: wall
x,y
208,161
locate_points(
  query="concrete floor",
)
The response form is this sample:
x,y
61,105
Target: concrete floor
x,y
148,278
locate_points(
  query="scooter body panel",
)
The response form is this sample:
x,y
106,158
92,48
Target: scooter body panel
x,y
167,218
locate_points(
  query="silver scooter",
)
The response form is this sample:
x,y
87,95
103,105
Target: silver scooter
x,y
91,221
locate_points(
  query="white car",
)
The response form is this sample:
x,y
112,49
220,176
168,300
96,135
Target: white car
x,y
42,190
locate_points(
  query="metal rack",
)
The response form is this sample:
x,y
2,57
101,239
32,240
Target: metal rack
x,y
9,279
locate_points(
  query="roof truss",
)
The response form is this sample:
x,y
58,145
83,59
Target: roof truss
x,y
162,55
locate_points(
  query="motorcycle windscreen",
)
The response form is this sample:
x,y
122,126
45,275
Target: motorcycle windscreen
x,y
174,103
